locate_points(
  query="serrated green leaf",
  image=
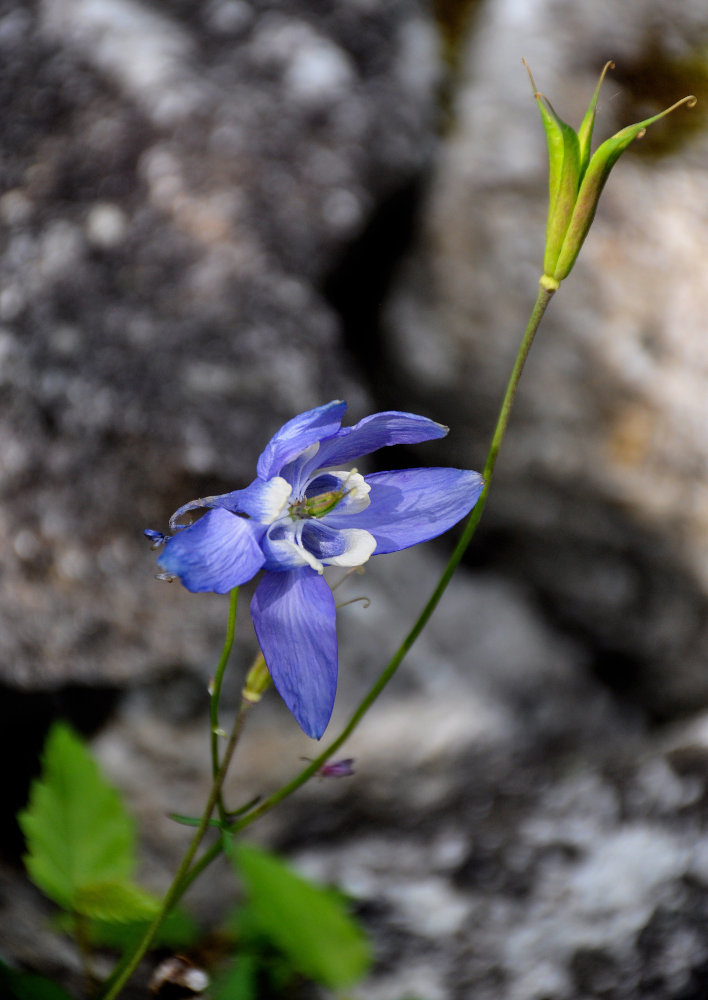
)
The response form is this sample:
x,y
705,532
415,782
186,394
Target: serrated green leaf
x,y
308,923
77,830
115,902
29,986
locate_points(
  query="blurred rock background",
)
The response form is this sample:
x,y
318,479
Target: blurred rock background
x,y
217,214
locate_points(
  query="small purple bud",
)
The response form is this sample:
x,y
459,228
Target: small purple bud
x,y
337,769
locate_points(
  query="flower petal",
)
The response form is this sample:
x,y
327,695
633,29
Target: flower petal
x,y
372,433
262,501
283,548
294,617
413,505
299,433
217,553
336,547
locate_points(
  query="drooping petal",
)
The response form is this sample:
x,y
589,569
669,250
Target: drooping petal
x,y
324,483
262,501
372,433
413,505
337,547
294,618
297,434
283,548
322,542
217,553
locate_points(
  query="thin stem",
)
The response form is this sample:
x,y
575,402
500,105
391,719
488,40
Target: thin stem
x,y
129,964
215,691
82,941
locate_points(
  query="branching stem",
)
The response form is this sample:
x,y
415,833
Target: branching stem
x,y
215,692
127,966
189,870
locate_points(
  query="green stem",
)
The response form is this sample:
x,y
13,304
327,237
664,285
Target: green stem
x,y
215,690
129,964
544,297
82,942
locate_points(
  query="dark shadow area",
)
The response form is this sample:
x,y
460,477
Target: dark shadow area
x,y
25,718
359,284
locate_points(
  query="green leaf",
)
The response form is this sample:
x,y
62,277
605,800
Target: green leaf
x,y
179,931
77,830
239,982
29,986
115,902
305,921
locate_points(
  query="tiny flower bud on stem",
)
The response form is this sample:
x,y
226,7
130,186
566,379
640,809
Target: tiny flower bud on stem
x,y
258,680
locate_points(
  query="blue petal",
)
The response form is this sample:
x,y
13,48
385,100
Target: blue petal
x,y
322,541
261,501
298,434
217,553
325,483
372,433
413,505
282,548
294,617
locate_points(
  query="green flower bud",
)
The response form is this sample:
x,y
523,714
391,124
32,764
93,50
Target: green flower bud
x,y
258,681
576,179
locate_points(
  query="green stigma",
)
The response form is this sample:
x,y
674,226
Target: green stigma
x,y
322,503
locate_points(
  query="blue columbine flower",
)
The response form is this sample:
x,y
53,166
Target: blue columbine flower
x,y
303,513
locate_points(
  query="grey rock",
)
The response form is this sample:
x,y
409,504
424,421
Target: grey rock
x,y
513,829
521,881
177,186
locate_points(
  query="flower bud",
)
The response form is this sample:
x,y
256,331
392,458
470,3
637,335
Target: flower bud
x,y
337,768
576,179
258,680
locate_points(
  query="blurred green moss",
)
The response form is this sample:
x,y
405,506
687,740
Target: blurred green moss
x,y
454,23
453,19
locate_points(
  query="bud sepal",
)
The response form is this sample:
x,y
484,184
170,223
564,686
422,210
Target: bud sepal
x,y
576,178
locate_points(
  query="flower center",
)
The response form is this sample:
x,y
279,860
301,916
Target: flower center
x,y
321,502
316,506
